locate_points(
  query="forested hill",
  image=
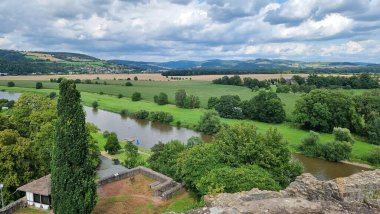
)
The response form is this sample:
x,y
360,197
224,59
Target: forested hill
x,y
27,62
24,63
216,66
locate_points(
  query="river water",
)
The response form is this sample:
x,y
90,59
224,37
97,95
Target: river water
x,y
149,133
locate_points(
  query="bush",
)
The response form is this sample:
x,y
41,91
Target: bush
x,y
119,96
11,84
164,157
265,107
336,151
112,145
180,97
230,180
141,114
160,116
135,78
229,107
77,81
128,84
87,81
192,102
161,99
283,89
132,153
310,146
124,112
373,130
95,104
212,102
374,156
209,123
52,95
38,85
136,96
101,93
343,134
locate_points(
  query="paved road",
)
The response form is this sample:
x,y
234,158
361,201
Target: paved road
x,y
107,168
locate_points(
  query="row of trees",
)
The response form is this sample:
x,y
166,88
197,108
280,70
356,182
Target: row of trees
x,y
247,82
322,110
265,107
239,159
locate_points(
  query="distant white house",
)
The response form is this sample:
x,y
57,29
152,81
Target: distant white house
x,y
38,192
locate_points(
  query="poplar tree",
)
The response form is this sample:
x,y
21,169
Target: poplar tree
x,y
73,178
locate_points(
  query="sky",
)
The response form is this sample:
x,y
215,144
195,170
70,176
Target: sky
x,y
165,30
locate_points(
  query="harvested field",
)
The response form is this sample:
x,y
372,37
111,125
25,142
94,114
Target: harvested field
x,y
155,77
43,56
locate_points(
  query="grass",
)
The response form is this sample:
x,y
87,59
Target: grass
x,y
203,89
121,155
29,210
116,199
190,117
181,203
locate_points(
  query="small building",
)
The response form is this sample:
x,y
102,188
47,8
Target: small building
x,y
38,192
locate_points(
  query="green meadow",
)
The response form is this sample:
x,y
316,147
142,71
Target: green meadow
x,y
188,117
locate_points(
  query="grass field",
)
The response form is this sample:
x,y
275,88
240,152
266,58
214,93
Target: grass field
x,y
190,117
203,89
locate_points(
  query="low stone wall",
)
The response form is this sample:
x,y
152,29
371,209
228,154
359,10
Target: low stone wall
x,y
13,207
166,189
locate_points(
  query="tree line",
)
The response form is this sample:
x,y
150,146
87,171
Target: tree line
x,y
337,70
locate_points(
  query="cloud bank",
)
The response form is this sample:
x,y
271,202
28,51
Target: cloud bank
x,y
161,30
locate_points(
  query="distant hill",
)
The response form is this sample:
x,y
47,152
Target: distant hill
x,y
255,64
37,62
27,62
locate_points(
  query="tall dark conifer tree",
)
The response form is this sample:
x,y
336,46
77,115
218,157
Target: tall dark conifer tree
x,y
73,178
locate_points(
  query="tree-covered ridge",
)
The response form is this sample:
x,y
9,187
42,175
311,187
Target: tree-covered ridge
x,y
24,63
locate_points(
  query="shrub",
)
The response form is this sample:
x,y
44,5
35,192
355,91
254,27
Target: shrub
x,y
180,97
132,153
209,123
192,102
135,78
141,114
11,84
283,89
161,99
343,134
87,81
160,116
230,180
212,102
124,112
164,157
336,151
38,85
373,130
112,145
374,156
52,95
77,81
136,96
128,84
101,93
119,96
229,107
310,146
95,104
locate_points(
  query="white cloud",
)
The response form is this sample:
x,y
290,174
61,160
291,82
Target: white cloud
x,y
194,29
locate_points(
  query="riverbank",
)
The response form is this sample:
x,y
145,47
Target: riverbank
x,y
189,118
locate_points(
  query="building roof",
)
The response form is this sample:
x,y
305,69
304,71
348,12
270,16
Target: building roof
x,y
41,186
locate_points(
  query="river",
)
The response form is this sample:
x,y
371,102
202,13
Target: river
x,y
149,133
